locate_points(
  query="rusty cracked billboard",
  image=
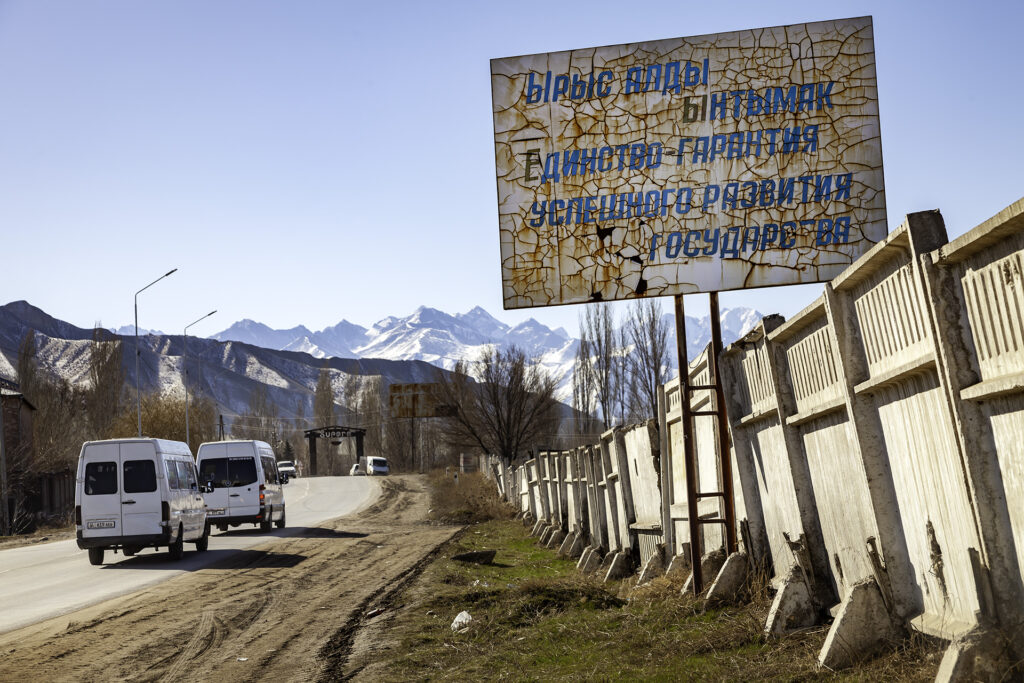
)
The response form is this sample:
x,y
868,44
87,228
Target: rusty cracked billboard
x,y
717,162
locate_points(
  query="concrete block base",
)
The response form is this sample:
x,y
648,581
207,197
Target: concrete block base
x,y
555,539
590,561
607,561
793,607
862,628
654,567
731,580
538,526
567,542
618,567
710,565
678,566
978,655
576,549
528,519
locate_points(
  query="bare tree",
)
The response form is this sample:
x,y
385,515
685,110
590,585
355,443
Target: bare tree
x,y
323,400
598,325
58,425
583,389
647,332
260,420
107,376
164,418
508,409
28,366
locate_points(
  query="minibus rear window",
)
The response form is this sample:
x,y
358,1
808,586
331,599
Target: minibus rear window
x,y
139,476
100,478
226,472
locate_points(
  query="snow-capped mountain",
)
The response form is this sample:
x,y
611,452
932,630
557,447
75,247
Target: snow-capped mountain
x,y
399,349
442,339
129,331
225,371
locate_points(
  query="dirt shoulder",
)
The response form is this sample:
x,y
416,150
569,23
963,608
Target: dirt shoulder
x,y
46,535
287,610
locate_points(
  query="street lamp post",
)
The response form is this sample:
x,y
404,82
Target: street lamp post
x,y
184,364
138,391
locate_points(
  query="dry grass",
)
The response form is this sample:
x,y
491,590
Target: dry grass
x,y
536,618
465,499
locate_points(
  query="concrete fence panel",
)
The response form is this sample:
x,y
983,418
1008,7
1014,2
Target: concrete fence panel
x,y
642,465
597,525
976,286
904,409
807,358
617,529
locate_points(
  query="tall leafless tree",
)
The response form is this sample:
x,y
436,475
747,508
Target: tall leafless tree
x,y
260,420
585,424
106,381
508,409
323,400
598,325
647,332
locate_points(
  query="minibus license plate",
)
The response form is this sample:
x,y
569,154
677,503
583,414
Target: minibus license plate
x,y
107,524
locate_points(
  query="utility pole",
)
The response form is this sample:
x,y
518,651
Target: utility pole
x,y
138,391
4,525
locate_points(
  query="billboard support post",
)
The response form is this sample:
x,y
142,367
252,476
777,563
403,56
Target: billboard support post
x,y
693,492
724,459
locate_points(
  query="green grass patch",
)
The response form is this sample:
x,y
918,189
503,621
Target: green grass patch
x,y
536,618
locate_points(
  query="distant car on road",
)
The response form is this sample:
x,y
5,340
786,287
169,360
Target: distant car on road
x,y
356,471
287,467
376,466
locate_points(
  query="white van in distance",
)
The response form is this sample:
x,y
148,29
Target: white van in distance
x,y
376,466
132,494
244,486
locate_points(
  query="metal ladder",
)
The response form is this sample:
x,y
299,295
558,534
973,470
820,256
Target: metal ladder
x,y
693,496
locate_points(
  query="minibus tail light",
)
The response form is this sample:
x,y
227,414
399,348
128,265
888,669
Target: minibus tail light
x,y
78,515
165,511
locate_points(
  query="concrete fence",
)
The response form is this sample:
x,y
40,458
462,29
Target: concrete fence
x,y
877,446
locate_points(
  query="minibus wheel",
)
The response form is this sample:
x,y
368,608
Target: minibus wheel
x,y
280,523
95,555
204,541
177,548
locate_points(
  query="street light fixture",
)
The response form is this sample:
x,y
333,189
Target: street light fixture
x,y
138,392
184,364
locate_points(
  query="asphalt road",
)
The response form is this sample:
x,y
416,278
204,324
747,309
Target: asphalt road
x,y
46,580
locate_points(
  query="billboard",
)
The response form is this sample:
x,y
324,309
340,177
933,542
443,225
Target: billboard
x,y
716,162
415,400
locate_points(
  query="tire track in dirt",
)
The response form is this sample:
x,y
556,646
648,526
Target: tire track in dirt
x,y
204,637
276,606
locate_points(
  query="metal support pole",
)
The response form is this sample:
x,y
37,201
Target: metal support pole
x,y
725,460
413,428
689,455
312,455
5,529
138,390
184,365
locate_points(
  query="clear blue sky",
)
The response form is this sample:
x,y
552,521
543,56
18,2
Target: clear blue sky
x,y
304,162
